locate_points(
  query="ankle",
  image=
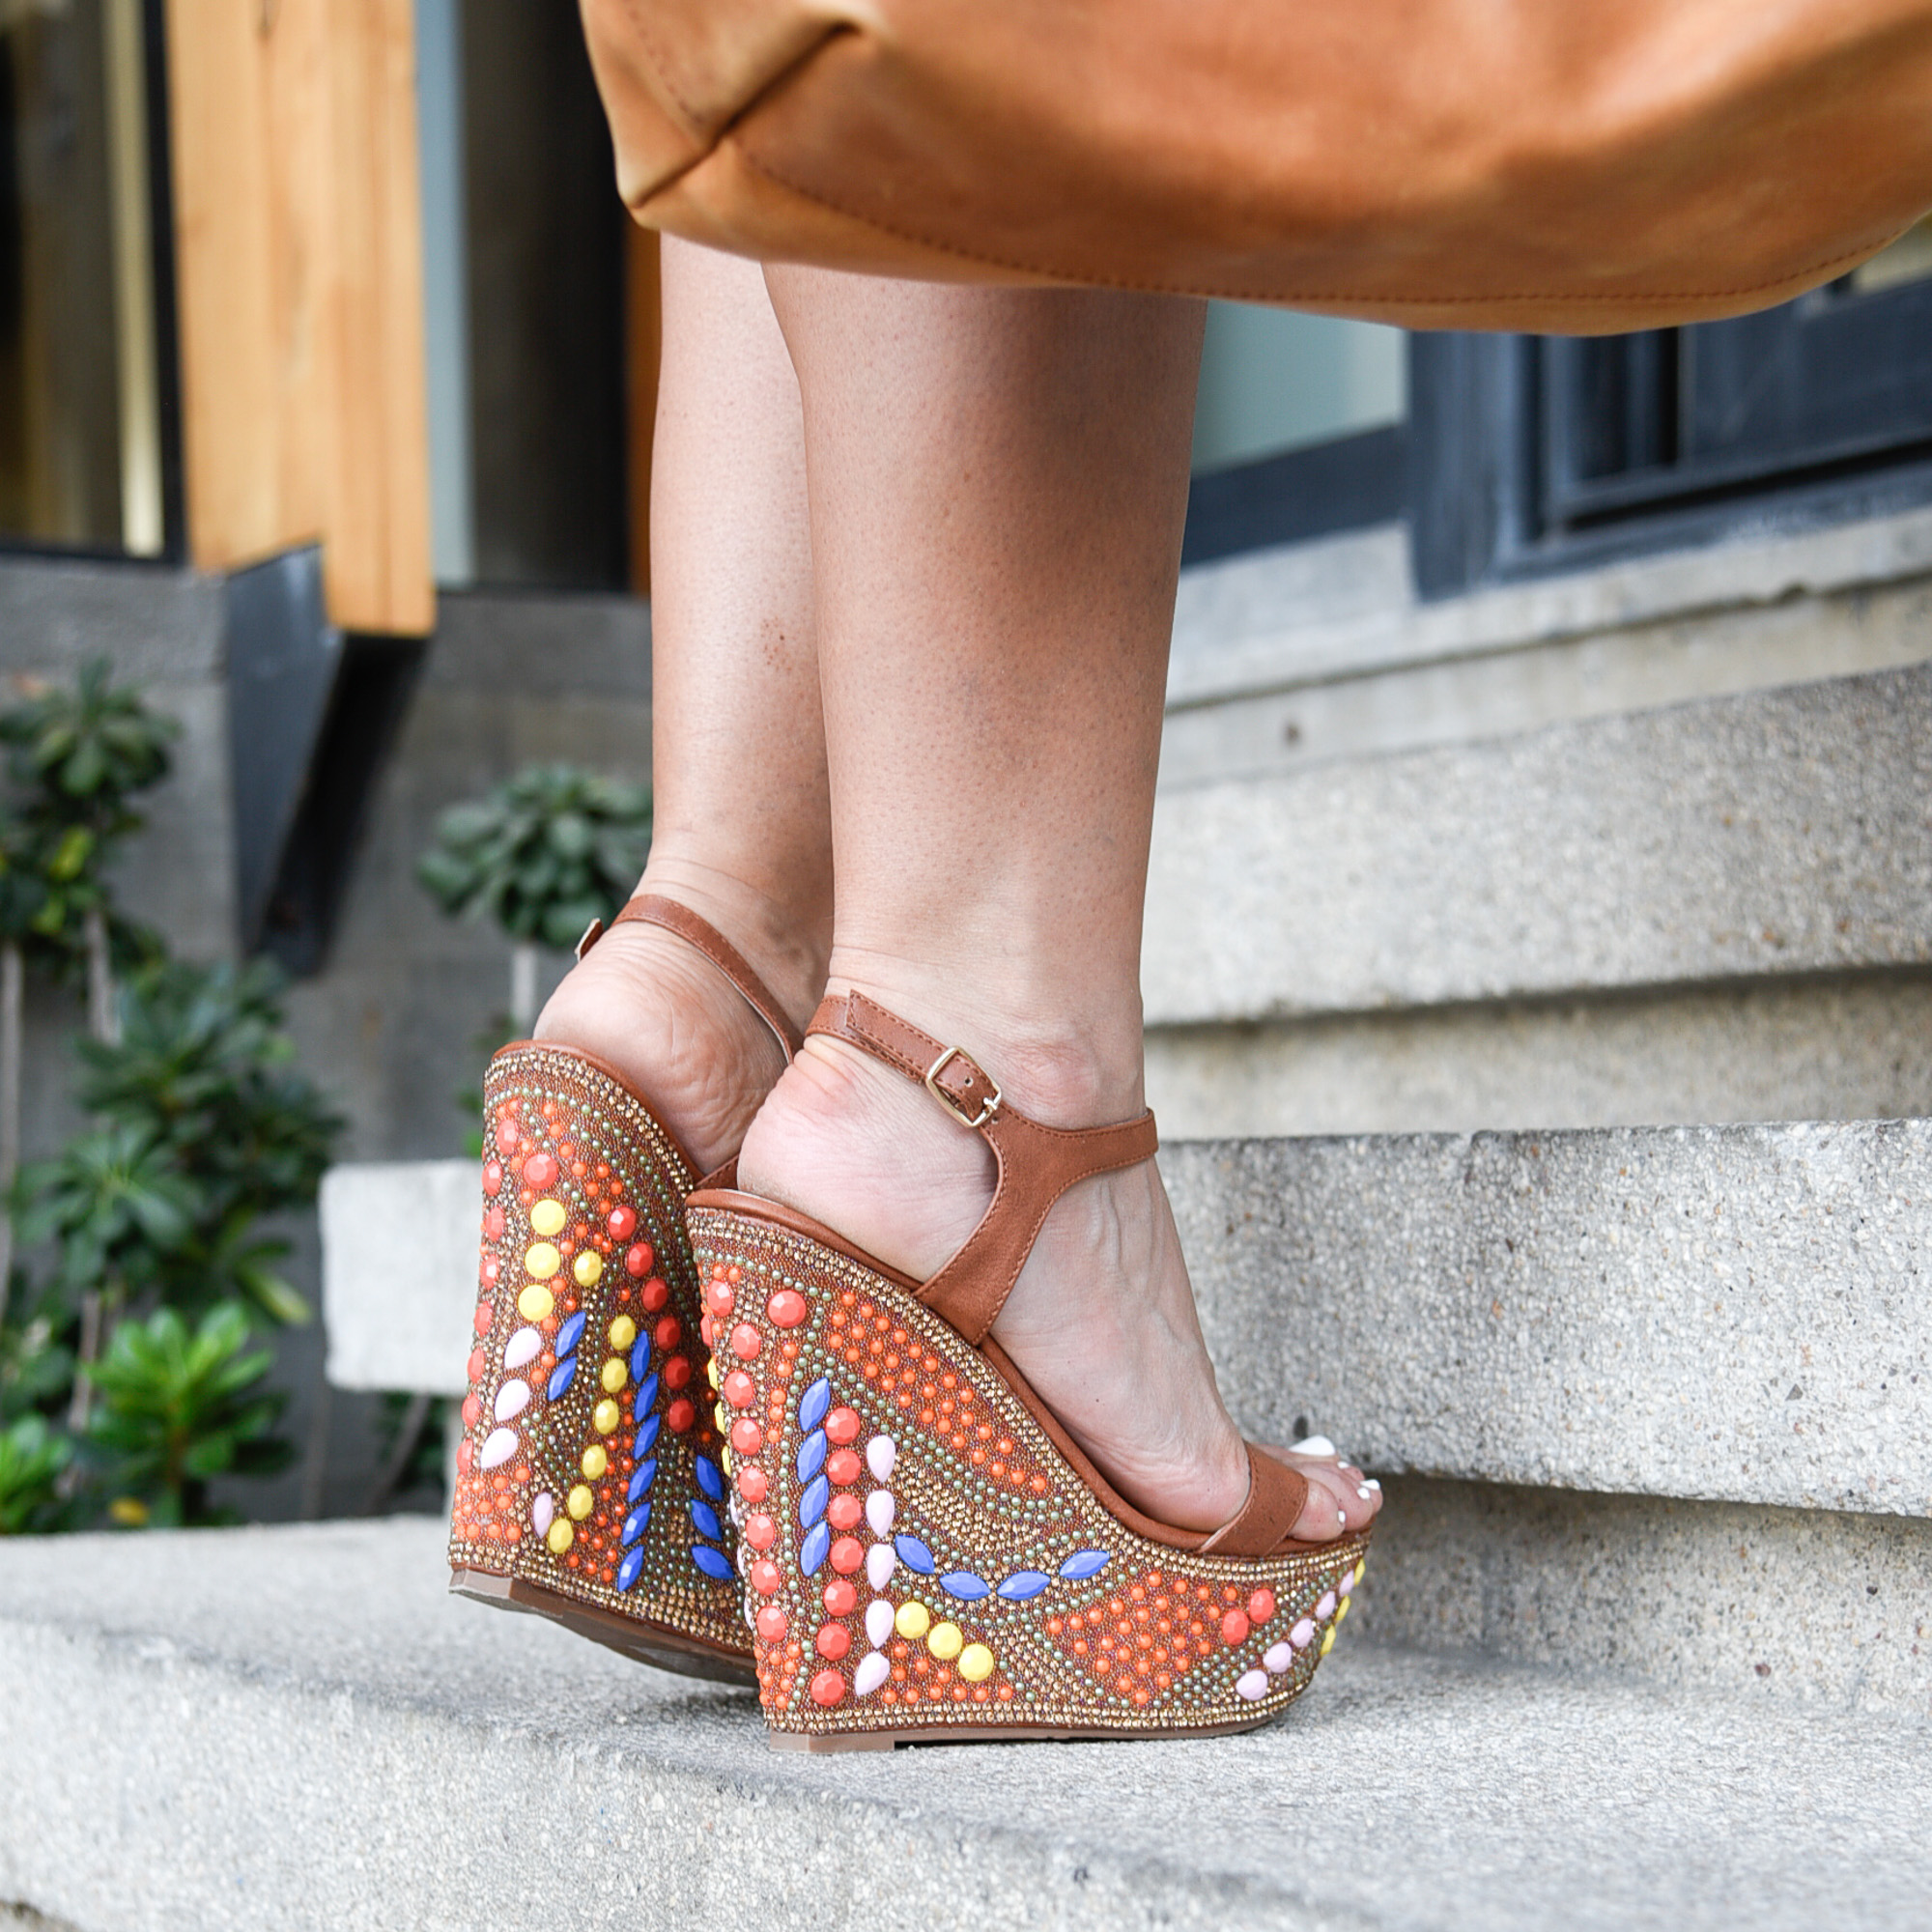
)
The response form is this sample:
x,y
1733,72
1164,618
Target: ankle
x,y
1071,1061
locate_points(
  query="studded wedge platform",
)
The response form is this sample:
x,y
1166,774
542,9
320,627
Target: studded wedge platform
x,y
927,1555
590,1475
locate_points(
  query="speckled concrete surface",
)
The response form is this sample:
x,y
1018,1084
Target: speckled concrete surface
x,y
1736,1313
297,1729
1799,1608
1775,833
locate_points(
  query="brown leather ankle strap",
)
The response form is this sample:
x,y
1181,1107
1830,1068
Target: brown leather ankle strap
x,y
649,909
1036,1164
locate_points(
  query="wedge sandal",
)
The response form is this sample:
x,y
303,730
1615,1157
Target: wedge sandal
x,y
590,1475
927,1555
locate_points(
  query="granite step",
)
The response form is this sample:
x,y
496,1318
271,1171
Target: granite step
x,y
298,1727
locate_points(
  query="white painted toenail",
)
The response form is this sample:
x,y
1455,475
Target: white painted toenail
x,y
1372,1484
1364,1492
1313,1445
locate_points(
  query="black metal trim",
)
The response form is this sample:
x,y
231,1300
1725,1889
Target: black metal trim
x,y
1347,483
168,314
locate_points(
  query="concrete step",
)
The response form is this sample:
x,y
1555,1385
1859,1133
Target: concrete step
x,y
1776,834
299,1728
1742,1313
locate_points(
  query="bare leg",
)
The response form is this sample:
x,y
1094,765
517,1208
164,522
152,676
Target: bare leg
x,y
742,833
998,480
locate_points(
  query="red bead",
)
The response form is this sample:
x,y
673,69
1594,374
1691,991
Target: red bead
x,y
623,1224
847,1555
752,1484
654,1295
1260,1606
668,1332
719,1297
539,1171
760,1531
676,1372
680,1416
746,1342
844,1512
772,1625
493,1177
786,1308
840,1599
766,1577
473,1410
508,1134
841,1466
466,1454
488,1270
842,1424
494,1224
486,1317
1235,1627
828,1689
746,1437
477,1363
638,1260
740,1391
707,1330
833,1640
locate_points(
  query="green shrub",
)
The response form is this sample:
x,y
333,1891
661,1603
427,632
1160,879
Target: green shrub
x,y
32,1459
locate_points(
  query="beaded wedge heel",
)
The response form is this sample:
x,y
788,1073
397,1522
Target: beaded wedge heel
x,y
591,1474
928,1555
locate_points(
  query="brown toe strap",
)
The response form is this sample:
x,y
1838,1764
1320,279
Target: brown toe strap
x,y
1276,1497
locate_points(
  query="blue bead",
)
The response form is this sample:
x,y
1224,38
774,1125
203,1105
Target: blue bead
x,y
704,1520
560,1379
711,1562
1022,1584
635,1523
1085,1562
648,1396
812,1553
964,1584
569,1335
913,1554
813,1403
641,1442
640,1359
812,1505
630,1570
641,1479
811,1456
710,1479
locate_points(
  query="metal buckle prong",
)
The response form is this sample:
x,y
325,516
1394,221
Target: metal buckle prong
x,y
988,1108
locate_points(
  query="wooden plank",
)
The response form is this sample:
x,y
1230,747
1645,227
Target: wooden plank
x,y
299,259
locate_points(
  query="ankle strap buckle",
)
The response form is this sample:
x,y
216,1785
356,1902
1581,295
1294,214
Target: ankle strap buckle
x,y
987,1107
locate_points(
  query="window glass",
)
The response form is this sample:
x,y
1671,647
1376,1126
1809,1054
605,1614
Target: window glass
x,y
1273,381
79,418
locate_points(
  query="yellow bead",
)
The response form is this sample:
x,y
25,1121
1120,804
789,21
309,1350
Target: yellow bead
x,y
913,1621
535,1302
560,1536
542,1261
606,1415
1361,1570
614,1374
586,1268
595,1461
1328,1639
945,1642
976,1663
578,1502
623,1332
547,1217
1342,1608
723,1421
711,1371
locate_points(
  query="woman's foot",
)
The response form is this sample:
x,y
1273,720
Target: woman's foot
x,y
1102,1313
676,1029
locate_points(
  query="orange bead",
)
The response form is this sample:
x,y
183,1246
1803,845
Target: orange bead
x,y
842,1465
828,1689
771,1624
786,1308
847,1555
844,1512
1260,1606
840,1598
747,1344
1235,1627
752,1486
833,1640
746,1437
765,1578
842,1426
